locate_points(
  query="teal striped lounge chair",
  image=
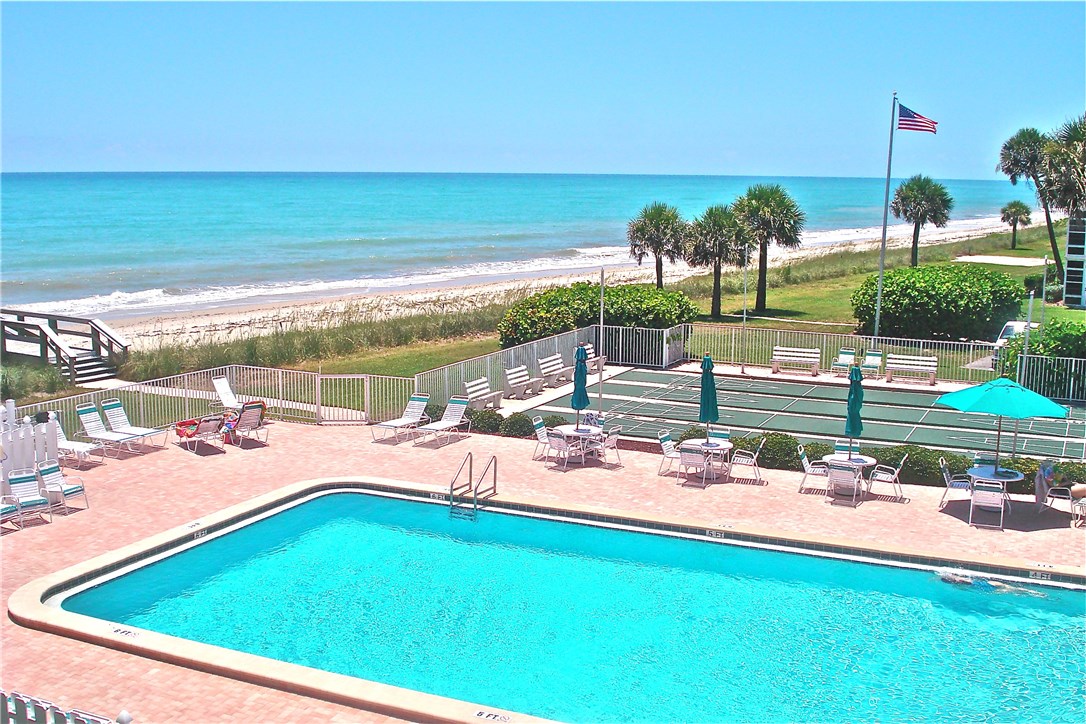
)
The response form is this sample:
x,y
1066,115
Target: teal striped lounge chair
x,y
95,429
118,422
413,414
59,488
27,495
450,422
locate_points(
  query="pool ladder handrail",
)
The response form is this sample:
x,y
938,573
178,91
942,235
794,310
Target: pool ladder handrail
x,y
460,509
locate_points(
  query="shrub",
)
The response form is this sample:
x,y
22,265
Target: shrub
x,y
19,380
489,421
943,301
434,410
1054,293
517,425
554,420
566,308
690,433
1033,282
781,452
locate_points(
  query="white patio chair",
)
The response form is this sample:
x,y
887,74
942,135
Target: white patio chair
x,y
8,512
844,479
984,458
27,494
95,429
450,422
952,482
413,414
844,360
208,429
842,447
227,399
988,495
67,448
59,487
888,474
872,364
667,446
818,469
609,441
541,439
694,458
251,423
118,422
747,459
564,448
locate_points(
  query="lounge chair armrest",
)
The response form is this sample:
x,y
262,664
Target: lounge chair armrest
x,y
819,467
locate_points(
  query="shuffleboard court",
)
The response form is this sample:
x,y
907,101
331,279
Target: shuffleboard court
x,y
645,402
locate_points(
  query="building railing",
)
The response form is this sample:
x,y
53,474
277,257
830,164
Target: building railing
x,y
104,341
1061,378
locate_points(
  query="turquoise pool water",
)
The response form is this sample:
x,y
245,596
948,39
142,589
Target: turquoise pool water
x,y
584,624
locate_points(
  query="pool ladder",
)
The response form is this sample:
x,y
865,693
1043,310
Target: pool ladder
x,y
464,496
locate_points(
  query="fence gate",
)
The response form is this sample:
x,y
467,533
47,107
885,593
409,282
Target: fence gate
x,y
675,344
342,399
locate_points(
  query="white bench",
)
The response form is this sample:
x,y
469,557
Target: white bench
x,y
519,384
480,396
554,369
796,356
595,361
911,364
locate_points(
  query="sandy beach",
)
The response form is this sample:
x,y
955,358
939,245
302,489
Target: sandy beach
x,y
243,321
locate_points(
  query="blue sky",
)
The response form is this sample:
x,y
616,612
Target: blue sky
x,y
724,88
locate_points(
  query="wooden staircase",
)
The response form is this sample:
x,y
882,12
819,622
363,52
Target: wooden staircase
x,y
84,350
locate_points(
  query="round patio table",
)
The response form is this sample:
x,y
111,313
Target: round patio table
x,y
861,461
584,431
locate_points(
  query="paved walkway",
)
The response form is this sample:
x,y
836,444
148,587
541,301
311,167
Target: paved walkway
x,y
1003,260
140,495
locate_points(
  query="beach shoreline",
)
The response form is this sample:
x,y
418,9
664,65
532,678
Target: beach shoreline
x,y
187,327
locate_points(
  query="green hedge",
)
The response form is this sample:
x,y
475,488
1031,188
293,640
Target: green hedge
x,y
566,308
922,467
942,301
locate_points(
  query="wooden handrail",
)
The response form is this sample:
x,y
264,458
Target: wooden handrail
x,y
47,340
105,341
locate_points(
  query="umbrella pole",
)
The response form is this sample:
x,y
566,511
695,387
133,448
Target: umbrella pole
x,y
999,432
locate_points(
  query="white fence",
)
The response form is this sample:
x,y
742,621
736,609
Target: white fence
x,y
26,444
1061,378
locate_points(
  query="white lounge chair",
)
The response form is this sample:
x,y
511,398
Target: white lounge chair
x,y
480,396
888,474
118,422
844,360
541,439
59,487
227,399
667,447
817,469
95,429
67,448
251,423
564,448
519,384
609,441
208,429
843,480
747,459
450,422
27,495
988,495
953,482
413,414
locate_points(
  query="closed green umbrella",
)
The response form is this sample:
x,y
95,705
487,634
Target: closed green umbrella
x,y
580,383
1003,398
709,410
854,425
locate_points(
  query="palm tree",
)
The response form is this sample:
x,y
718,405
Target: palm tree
x,y
658,230
1064,167
768,214
1015,213
921,200
1022,156
716,238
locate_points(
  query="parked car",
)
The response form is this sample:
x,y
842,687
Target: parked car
x,y
1010,329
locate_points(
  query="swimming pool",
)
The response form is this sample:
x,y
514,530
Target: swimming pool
x,y
581,623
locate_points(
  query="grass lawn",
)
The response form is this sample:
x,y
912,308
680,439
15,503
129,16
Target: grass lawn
x,y
408,360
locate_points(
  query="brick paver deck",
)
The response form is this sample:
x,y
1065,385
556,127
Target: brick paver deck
x,y
140,495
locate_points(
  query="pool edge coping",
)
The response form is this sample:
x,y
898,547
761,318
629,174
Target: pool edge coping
x,y
27,607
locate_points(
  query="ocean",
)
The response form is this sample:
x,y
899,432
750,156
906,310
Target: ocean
x,y
131,244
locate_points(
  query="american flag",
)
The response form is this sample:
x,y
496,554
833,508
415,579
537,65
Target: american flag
x,y
912,121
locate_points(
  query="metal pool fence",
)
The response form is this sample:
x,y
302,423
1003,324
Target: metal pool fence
x,y
1061,378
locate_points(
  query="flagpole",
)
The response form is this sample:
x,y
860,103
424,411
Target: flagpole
x,y
885,214
599,404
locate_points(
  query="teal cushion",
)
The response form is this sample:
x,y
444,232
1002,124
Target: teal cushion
x,y
32,502
8,509
72,489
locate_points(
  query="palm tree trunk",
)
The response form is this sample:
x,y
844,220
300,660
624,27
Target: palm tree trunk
x,y
714,312
1014,233
763,265
659,271
1051,232
916,244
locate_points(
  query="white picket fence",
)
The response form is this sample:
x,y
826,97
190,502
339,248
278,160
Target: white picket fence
x,y
24,443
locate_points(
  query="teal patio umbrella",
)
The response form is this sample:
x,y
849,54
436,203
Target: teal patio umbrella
x,y
580,383
854,425
709,411
1003,398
